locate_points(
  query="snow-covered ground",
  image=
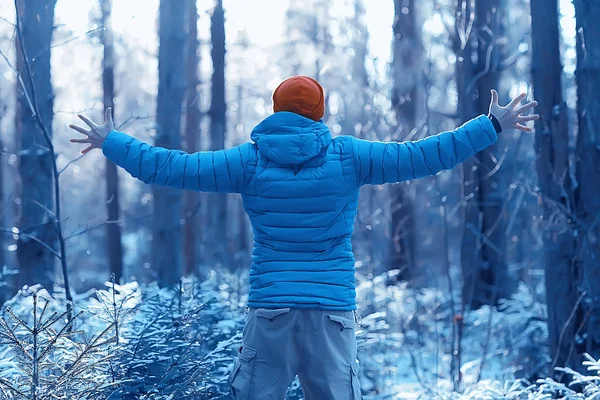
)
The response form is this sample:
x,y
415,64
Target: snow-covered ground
x,y
180,344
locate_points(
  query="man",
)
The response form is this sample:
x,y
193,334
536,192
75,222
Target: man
x,y
300,189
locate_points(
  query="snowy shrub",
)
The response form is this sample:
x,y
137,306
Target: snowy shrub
x,y
410,342
175,343
580,387
46,358
524,320
126,342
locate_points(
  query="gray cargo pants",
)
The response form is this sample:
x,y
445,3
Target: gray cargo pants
x,y
278,344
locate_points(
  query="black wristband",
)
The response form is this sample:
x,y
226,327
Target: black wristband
x,y
495,122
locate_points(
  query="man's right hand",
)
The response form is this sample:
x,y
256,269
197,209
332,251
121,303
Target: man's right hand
x,y
96,134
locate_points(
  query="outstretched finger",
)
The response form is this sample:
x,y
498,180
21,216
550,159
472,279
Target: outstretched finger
x,y
87,149
517,100
79,129
526,107
522,127
108,118
88,121
494,98
80,140
525,118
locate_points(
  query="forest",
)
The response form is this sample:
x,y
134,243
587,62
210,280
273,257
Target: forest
x,y
481,281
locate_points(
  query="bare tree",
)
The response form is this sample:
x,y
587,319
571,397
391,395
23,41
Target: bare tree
x,y
243,247
320,36
3,207
360,39
34,28
192,137
113,230
308,24
552,148
407,98
587,162
218,210
167,230
360,119
36,217
485,270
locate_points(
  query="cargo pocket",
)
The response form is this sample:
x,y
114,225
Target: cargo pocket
x,y
240,380
342,322
271,314
356,394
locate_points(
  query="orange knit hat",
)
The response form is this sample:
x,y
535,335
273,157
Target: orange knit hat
x,y
301,95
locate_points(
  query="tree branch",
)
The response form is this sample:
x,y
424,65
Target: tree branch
x,y
35,239
101,224
73,161
69,40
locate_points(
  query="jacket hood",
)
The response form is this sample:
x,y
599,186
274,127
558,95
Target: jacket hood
x,y
290,139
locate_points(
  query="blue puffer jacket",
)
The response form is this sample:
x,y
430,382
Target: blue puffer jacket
x,y
300,189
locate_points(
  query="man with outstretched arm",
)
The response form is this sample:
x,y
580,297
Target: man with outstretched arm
x,y
300,189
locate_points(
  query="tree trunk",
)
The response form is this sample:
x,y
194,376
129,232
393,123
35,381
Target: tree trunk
x,y
218,209
192,138
587,171
322,43
355,121
552,149
4,285
167,229
485,270
360,46
36,218
406,102
243,248
113,229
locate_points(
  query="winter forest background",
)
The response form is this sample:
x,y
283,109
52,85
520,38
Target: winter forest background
x,y
479,283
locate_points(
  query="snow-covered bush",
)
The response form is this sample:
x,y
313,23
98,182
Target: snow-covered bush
x,y
127,342
580,387
416,339
43,356
173,343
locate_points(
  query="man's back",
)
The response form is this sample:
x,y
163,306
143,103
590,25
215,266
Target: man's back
x,y
301,197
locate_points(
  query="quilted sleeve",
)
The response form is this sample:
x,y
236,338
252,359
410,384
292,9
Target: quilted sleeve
x,y
389,162
208,171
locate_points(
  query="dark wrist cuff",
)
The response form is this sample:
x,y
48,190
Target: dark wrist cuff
x,y
495,122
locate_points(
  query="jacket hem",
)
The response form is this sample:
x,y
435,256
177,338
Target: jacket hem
x,y
314,306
